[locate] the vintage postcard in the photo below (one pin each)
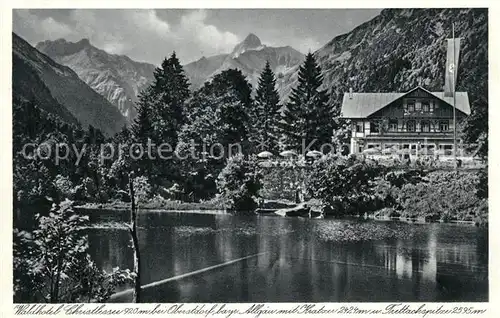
(220, 162)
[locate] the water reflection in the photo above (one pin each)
(434, 262)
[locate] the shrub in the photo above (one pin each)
(239, 183)
(281, 182)
(444, 194)
(345, 183)
(142, 189)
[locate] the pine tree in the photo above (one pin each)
(160, 118)
(307, 117)
(142, 127)
(266, 112)
(169, 91)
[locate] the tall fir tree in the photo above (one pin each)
(160, 118)
(266, 115)
(167, 98)
(307, 116)
(142, 128)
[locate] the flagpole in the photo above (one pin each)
(454, 106)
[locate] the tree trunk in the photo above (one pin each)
(135, 241)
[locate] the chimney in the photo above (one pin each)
(350, 92)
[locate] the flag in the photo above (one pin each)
(451, 70)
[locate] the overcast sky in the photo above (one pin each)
(151, 34)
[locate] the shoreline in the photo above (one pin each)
(109, 208)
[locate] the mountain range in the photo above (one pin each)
(116, 77)
(58, 90)
(250, 57)
(397, 50)
(120, 79)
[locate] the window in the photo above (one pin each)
(410, 125)
(443, 125)
(447, 149)
(393, 125)
(411, 106)
(426, 108)
(413, 149)
(425, 126)
(394, 146)
(428, 149)
(359, 126)
(369, 146)
(374, 127)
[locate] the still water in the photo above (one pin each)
(302, 260)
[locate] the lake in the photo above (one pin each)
(299, 260)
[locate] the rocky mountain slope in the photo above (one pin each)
(249, 56)
(59, 90)
(400, 49)
(116, 77)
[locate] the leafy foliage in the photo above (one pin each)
(476, 125)
(281, 182)
(36, 173)
(142, 189)
(217, 127)
(239, 184)
(445, 195)
(52, 264)
(347, 178)
(352, 186)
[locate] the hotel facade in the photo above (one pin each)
(411, 124)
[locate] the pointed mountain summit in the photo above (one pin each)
(251, 42)
(250, 57)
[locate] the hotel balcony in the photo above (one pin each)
(411, 134)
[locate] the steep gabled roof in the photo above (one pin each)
(362, 105)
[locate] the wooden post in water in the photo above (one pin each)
(135, 241)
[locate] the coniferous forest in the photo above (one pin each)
(223, 111)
